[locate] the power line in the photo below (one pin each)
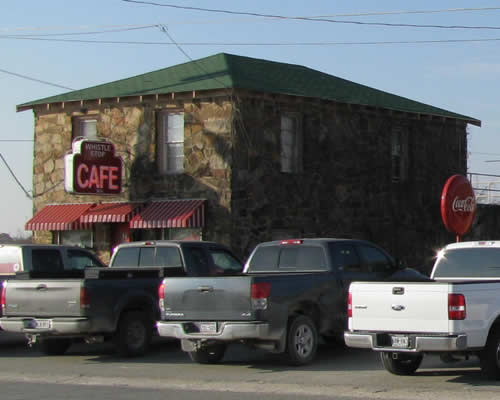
(389, 42)
(34, 79)
(89, 33)
(408, 12)
(315, 19)
(15, 177)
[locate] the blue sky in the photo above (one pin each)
(443, 67)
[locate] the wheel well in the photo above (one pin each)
(308, 309)
(495, 326)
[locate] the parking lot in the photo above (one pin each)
(338, 372)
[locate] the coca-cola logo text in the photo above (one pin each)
(464, 205)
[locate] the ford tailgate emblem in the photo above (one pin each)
(398, 307)
(398, 290)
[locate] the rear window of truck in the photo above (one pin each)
(288, 257)
(468, 263)
(148, 257)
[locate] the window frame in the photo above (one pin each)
(163, 143)
(291, 163)
(77, 131)
(399, 155)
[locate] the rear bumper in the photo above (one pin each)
(226, 331)
(417, 342)
(57, 326)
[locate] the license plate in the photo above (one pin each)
(400, 341)
(38, 324)
(208, 327)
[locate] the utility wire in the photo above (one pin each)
(34, 79)
(15, 178)
(256, 43)
(275, 16)
(89, 33)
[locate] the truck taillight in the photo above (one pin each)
(456, 307)
(84, 298)
(161, 291)
(2, 297)
(292, 241)
(161, 298)
(259, 292)
(349, 305)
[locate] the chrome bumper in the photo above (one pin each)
(226, 331)
(58, 326)
(418, 342)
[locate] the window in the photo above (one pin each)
(225, 261)
(374, 260)
(81, 260)
(170, 152)
(346, 258)
(85, 126)
(127, 257)
(399, 155)
(291, 143)
(46, 260)
(168, 257)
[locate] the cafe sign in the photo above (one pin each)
(93, 168)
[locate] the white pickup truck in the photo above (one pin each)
(455, 314)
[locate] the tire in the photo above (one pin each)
(490, 356)
(211, 354)
(54, 347)
(404, 364)
(301, 341)
(134, 334)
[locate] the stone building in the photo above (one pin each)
(241, 150)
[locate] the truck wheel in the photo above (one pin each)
(489, 357)
(301, 341)
(134, 334)
(401, 363)
(54, 347)
(208, 355)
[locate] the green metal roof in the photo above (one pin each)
(227, 71)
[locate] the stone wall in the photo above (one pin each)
(346, 187)
(131, 127)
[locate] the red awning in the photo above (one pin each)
(58, 217)
(170, 214)
(110, 212)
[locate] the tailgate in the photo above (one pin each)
(43, 298)
(208, 299)
(399, 307)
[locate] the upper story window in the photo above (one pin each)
(399, 155)
(85, 126)
(170, 151)
(291, 143)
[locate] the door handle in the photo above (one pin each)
(206, 288)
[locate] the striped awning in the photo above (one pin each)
(170, 214)
(110, 212)
(58, 217)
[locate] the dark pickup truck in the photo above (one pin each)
(291, 293)
(118, 303)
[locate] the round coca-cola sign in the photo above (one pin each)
(458, 205)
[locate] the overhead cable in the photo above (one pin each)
(34, 79)
(315, 19)
(15, 177)
(257, 43)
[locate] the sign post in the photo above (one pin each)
(458, 205)
(93, 168)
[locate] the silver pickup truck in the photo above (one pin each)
(118, 303)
